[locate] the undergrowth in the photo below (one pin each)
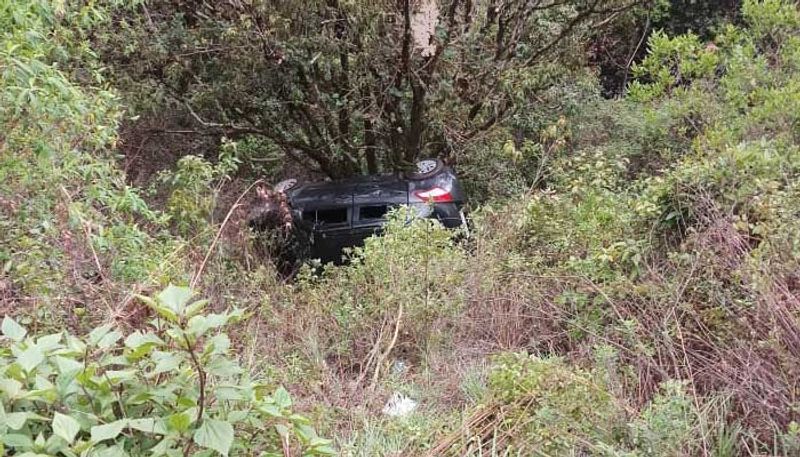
(632, 291)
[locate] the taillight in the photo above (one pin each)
(436, 195)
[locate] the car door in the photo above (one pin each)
(330, 212)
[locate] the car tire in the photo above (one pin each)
(425, 169)
(286, 185)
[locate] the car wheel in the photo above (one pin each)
(286, 184)
(425, 169)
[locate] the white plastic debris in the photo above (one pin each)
(399, 405)
(399, 367)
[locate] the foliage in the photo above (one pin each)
(545, 406)
(408, 277)
(697, 204)
(665, 426)
(368, 86)
(62, 198)
(743, 146)
(662, 225)
(194, 187)
(555, 409)
(614, 50)
(160, 391)
(670, 63)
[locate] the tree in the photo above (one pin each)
(616, 49)
(345, 86)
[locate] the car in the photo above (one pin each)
(330, 216)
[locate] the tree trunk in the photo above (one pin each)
(416, 125)
(370, 147)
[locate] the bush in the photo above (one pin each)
(392, 292)
(665, 426)
(552, 409)
(66, 213)
(165, 391)
(194, 187)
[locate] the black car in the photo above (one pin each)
(333, 215)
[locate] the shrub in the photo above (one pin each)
(194, 187)
(66, 213)
(665, 426)
(552, 409)
(393, 290)
(167, 390)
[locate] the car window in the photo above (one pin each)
(372, 212)
(332, 216)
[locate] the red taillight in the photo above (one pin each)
(436, 195)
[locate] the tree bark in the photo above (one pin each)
(370, 147)
(416, 127)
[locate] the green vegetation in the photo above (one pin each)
(629, 287)
(162, 392)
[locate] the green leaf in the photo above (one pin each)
(223, 367)
(217, 320)
(108, 431)
(218, 344)
(148, 425)
(229, 393)
(186, 402)
(97, 334)
(114, 360)
(282, 430)
(167, 447)
(196, 307)
(48, 343)
(297, 419)
(282, 398)
(270, 410)
(183, 339)
(325, 450)
(162, 311)
(65, 427)
(317, 441)
(67, 366)
(166, 361)
(179, 422)
(216, 435)
(115, 376)
(18, 441)
(305, 432)
(138, 339)
(30, 358)
(40, 441)
(13, 330)
(197, 326)
(42, 383)
(175, 298)
(113, 451)
(237, 416)
(14, 421)
(109, 339)
(11, 387)
(75, 344)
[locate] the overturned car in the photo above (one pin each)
(319, 220)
